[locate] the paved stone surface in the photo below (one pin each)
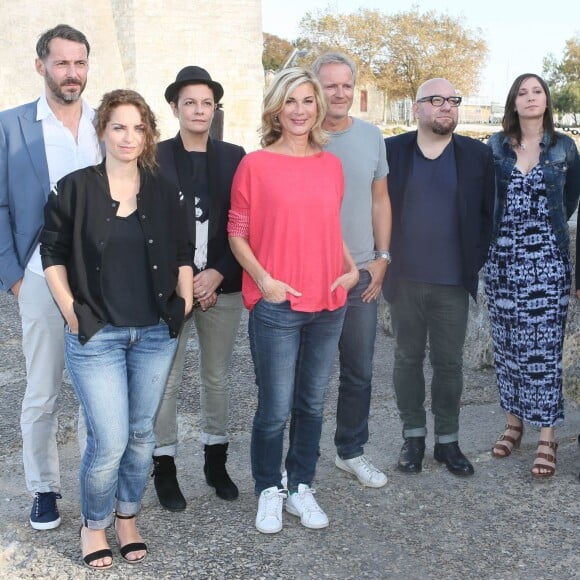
(497, 524)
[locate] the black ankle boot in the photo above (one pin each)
(165, 480)
(215, 472)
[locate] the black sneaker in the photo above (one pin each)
(44, 514)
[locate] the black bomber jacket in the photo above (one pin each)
(78, 217)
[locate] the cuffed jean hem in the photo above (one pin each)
(450, 438)
(416, 432)
(97, 524)
(209, 439)
(170, 450)
(128, 508)
(347, 456)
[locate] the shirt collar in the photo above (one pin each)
(43, 110)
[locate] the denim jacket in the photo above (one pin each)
(560, 164)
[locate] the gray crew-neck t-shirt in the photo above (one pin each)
(361, 149)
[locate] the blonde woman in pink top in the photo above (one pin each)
(285, 231)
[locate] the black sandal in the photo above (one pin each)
(131, 547)
(94, 556)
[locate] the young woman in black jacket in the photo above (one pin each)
(118, 262)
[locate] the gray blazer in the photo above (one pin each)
(24, 189)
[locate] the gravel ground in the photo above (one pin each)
(497, 524)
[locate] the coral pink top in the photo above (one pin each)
(290, 208)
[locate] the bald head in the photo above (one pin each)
(434, 87)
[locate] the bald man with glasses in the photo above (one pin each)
(441, 187)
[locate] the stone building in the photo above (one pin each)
(141, 44)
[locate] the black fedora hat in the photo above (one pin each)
(193, 75)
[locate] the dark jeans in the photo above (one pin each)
(357, 347)
(439, 312)
(293, 354)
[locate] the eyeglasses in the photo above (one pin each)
(438, 100)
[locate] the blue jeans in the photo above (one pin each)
(293, 354)
(422, 310)
(119, 376)
(356, 347)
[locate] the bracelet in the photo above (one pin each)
(260, 284)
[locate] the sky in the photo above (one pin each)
(519, 33)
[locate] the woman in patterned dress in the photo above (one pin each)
(528, 273)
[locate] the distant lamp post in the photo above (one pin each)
(294, 55)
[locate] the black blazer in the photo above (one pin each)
(223, 160)
(78, 217)
(475, 199)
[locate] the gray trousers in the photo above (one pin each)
(43, 347)
(439, 312)
(216, 331)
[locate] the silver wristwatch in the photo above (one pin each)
(383, 255)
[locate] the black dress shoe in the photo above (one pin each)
(411, 456)
(166, 485)
(450, 454)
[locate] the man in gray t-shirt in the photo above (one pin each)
(366, 224)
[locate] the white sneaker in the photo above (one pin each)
(269, 516)
(303, 505)
(364, 470)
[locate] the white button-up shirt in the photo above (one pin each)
(63, 154)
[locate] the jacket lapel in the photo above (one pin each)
(215, 207)
(462, 168)
(34, 142)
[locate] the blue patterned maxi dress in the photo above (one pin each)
(527, 283)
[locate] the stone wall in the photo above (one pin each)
(141, 44)
(478, 352)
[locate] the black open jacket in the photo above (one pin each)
(223, 160)
(475, 201)
(78, 217)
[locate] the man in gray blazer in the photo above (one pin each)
(40, 142)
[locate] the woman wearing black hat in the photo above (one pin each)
(203, 168)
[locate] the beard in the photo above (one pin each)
(57, 91)
(443, 129)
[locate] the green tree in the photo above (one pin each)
(362, 35)
(429, 45)
(563, 76)
(276, 51)
(400, 51)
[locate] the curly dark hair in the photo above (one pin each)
(119, 97)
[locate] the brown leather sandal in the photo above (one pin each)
(514, 443)
(549, 470)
